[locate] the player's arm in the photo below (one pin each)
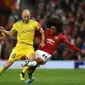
(71, 45)
(7, 33)
(43, 35)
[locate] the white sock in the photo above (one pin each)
(32, 63)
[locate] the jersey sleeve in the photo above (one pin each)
(65, 40)
(15, 27)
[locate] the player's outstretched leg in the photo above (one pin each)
(4, 67)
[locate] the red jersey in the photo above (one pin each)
(52, 42)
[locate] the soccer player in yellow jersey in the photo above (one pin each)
(25, 30)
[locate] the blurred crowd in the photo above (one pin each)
(72, 13)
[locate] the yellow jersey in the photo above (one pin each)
(25, 32)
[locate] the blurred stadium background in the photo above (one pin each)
(72, 13)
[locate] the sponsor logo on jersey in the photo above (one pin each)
(25, 31)
(50, 41)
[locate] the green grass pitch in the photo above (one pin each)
(46, 77)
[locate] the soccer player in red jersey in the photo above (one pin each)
(53, 37)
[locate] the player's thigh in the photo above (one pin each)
(16, 54)
(43, 55)
(30, 53)
(39, 61)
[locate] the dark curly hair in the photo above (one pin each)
(57, 22)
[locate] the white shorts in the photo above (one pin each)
(42, 54)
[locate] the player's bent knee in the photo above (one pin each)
(32, 57)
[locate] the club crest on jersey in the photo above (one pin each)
(56, 37)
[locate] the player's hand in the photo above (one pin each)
(83, 51)
(42, 44)
(2, 29)
(39, 26)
